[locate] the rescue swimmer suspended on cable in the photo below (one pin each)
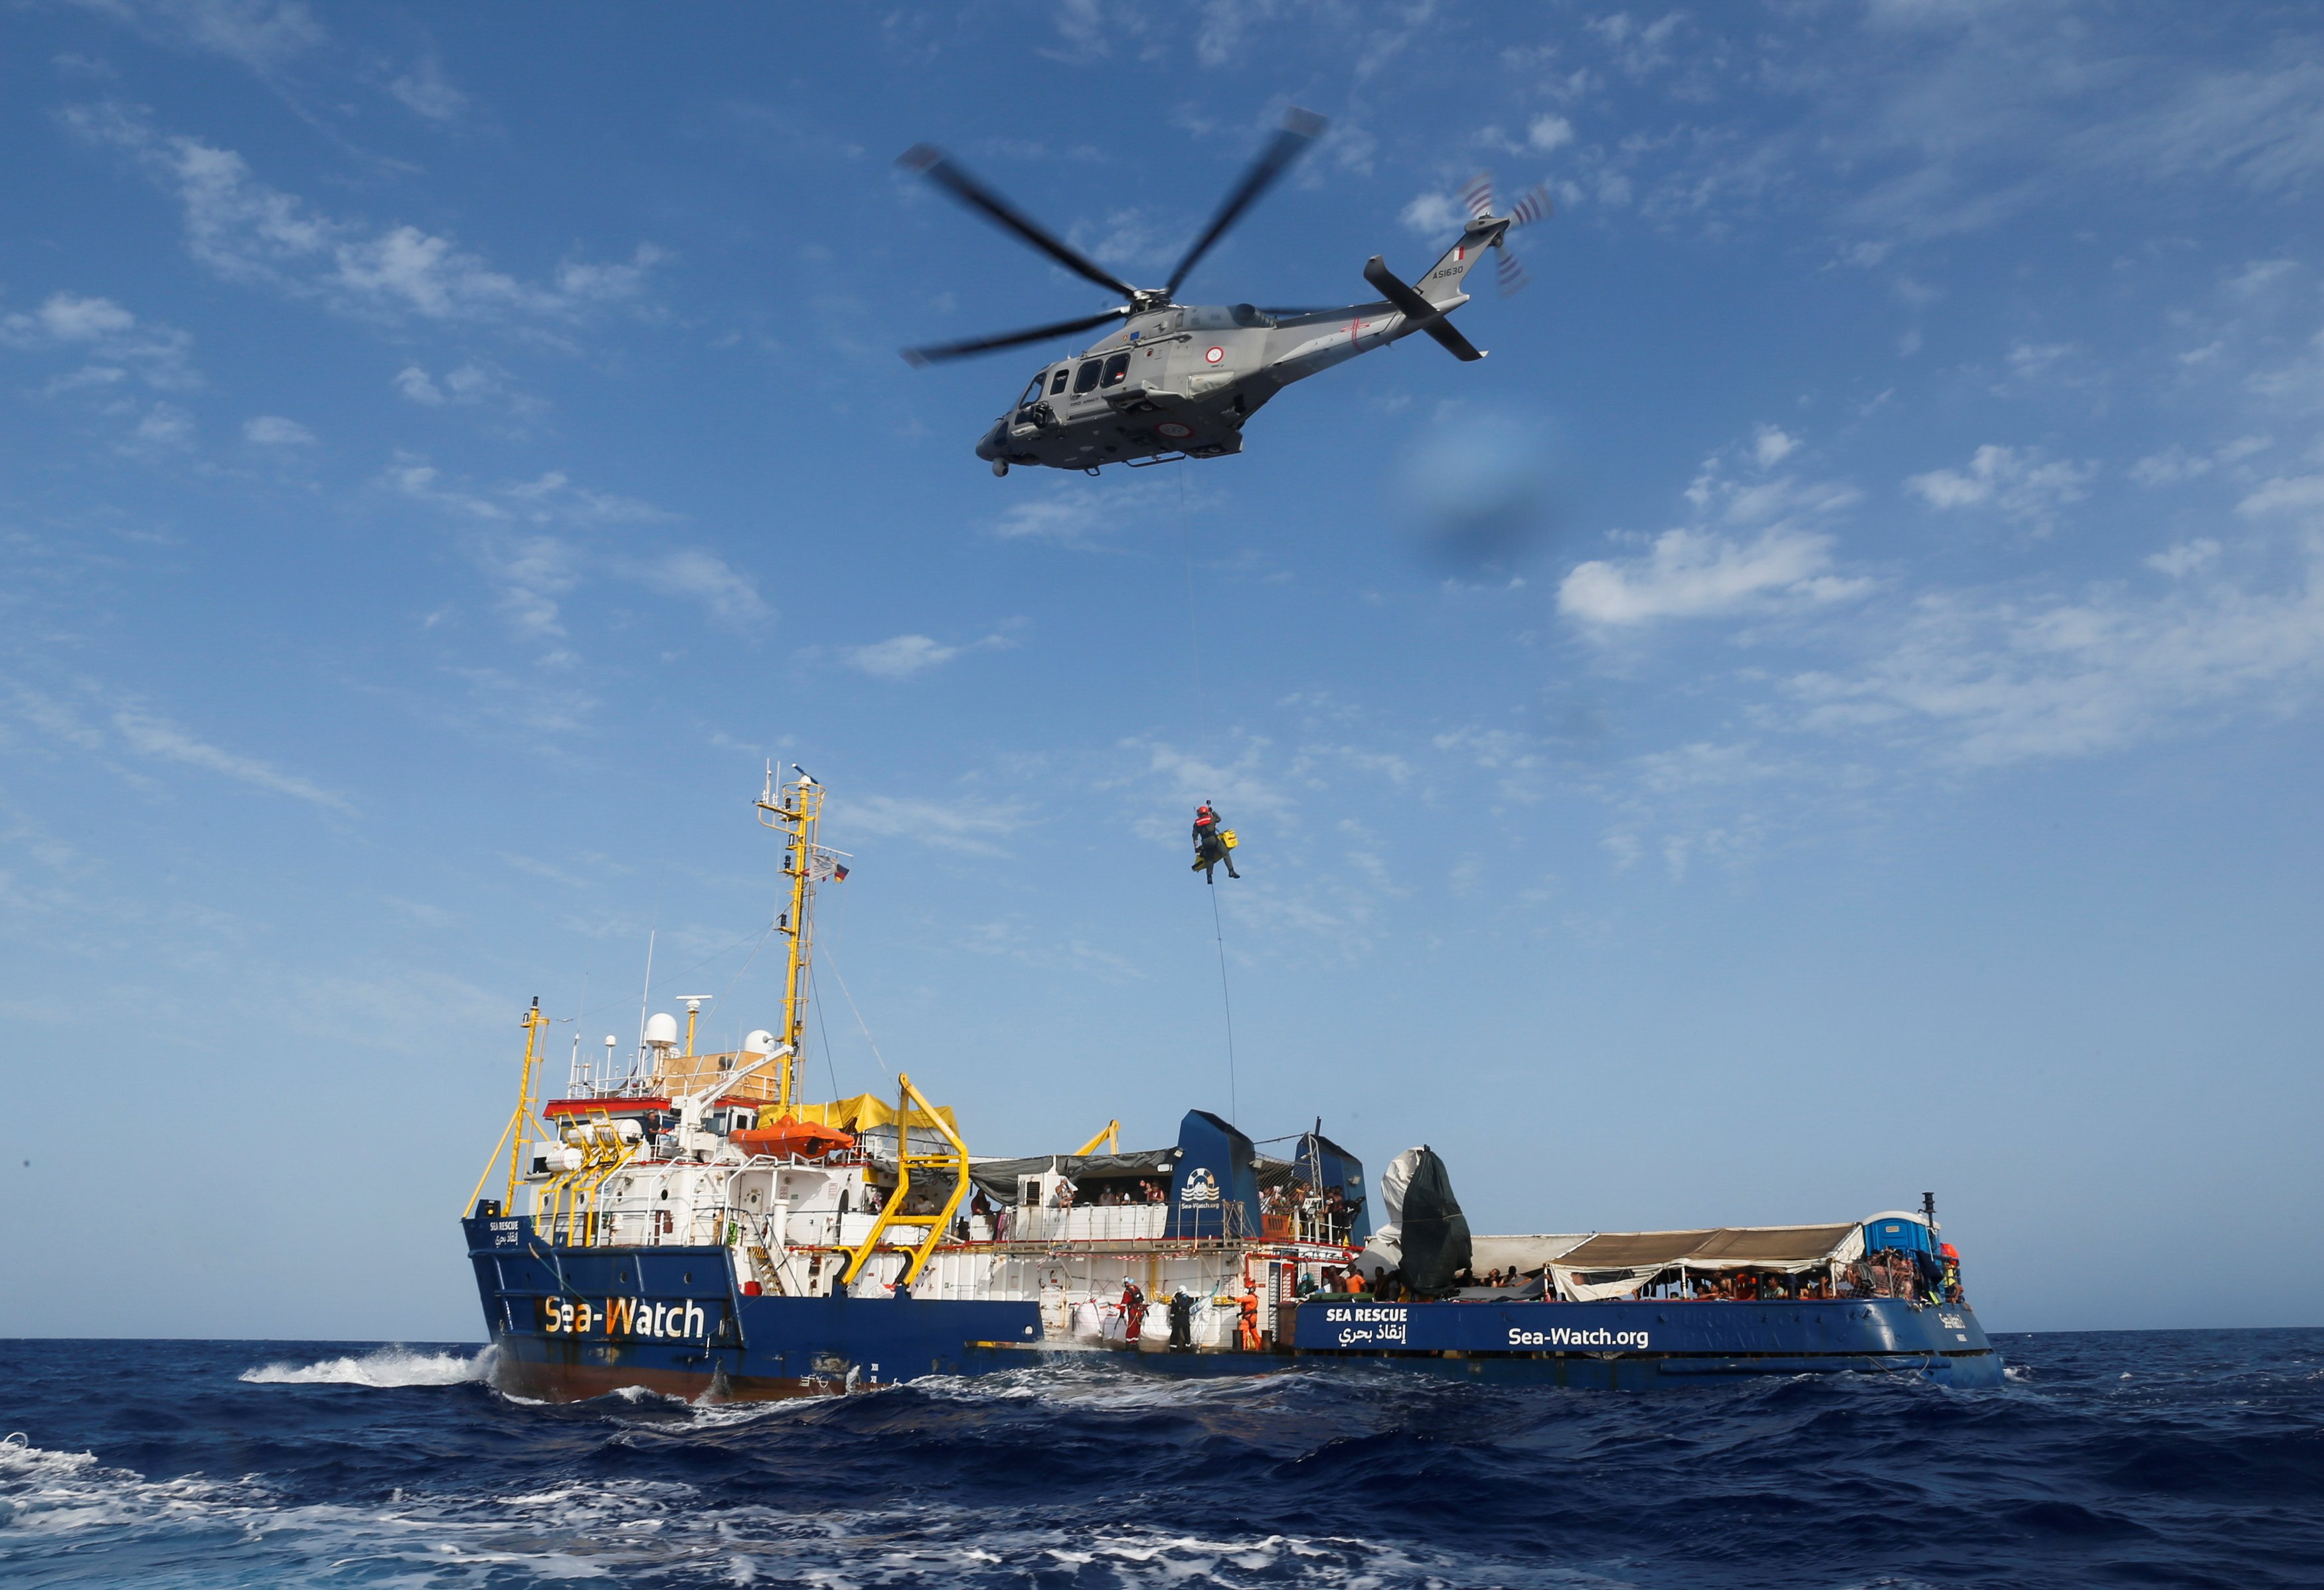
(1175, 380)
(1214, 842)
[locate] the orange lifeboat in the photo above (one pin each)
(808, 1139)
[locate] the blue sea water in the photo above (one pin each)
(2191, 1458)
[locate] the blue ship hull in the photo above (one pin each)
(572, 1322)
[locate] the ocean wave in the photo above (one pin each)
(157, 1463)
(384, 1368)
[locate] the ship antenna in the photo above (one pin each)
(795, 811)
(645, 997)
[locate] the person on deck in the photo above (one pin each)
(1133, 1310)
(1210, 847)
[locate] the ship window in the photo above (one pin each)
(1116, 369)
(1086, 378)
(1057, 382)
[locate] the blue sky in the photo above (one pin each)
(1826, 710)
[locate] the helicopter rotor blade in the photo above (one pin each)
(940, 169)
(936, 352)
(1300, 128)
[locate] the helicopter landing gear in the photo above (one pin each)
(999, 466)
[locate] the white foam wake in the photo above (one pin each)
(386, 1367)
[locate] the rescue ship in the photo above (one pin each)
(692, 1224)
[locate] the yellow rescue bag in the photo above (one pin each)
(1227, 837)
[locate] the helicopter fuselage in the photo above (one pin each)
(1180, 380)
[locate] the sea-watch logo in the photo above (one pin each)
(622, 1316)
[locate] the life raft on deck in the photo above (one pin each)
(808, 1139)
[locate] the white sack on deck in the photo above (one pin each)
(1573, 1290)
(1392, 1183)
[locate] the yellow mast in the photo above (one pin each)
(794, 810)
(533, 1023)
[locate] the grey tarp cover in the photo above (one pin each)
(997, 1178)
(1773, 1246)
(1434, 1234)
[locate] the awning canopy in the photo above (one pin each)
(1723, 1247)
(1616, 1263)
(998, 1177)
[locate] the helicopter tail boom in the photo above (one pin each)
(1441, 285)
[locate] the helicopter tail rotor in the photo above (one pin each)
(1477, 198)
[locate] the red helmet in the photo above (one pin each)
(1948, 1249)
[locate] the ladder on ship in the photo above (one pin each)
(891, 1213)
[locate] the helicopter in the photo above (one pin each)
(1176, 381)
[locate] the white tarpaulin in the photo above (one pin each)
(1615, 1264)
(1392, 1183)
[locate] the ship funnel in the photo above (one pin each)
(761, 1042)
(661, 1031)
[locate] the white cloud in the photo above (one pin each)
(1770, 447)
(2185, 558)
(972, 826)
(2299, 491)
(2020, 484)
(469, 384)
(155, 736)
(273, 430)
(425, 91)
(247, 231)
(1432, 215)
(899, 657)
(2004, 679)
(903, 657)
(2174, 464)
(730, 596)
(412, 381)
(532, 572)
(1694, 573)
(261, 35)
(117, 342)
(165, 427)
(1549, 131)
(138, 729)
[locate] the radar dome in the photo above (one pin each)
(759, 1042)
(661, 1029)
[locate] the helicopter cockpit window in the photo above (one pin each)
(1116, 369)
(1057, 382)
(1033, 392)
(1086, 378)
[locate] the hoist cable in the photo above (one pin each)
(1226, 1002)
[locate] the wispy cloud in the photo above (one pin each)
(905, 657)
(2020, 484)
(94, 719)
(247, 231)
(261, 35)
(1997, 679)
(538, 541)
(730, 597)
(117, 346)
(973, 828)
(425, 91)
(151, 735)
(272, 431)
